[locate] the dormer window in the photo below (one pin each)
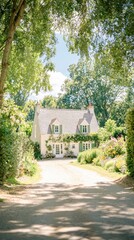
(84, 126)
(56, 129)
(84, 129)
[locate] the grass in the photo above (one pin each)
(15, 185)
(98, 169)
(25, 179)
(122, 179)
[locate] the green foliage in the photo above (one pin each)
(76, 138)
(130, 140)
(111, 130)
(110, 165)
(96, 161)
(90, 82)
(37, 152)
(109, 156)
(119, 132)
(90, 28)
(49, 102)
(29, 110)
(49, 155)
(30, 167)
(120, 164)
(87, 156)
(114, 147)
(110, 126)
(15, 147)
(69, 154)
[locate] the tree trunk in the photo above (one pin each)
(16, 16)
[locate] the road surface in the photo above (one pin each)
(68, 203)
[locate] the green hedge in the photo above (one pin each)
(15, 149)
(130, 140)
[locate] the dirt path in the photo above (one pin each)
(70, 204)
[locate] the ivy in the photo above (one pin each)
(75, 138)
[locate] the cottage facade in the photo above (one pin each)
(49, 124)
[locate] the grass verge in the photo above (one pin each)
(16, 185)
(122, 179)
(98, 169)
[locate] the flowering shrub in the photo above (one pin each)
(120, 164)
(114, 147)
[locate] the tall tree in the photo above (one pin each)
(49, 102)
(102, 26)
(90, 84)
(31, 23)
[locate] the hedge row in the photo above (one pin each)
(15, 151)
(130, 140)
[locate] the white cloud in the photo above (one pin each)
(56, 80)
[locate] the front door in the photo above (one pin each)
(58, 150)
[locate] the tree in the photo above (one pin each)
(31, 24)
(90, 84)
(49, 102)
(100, 26)
(130, 140)
(26, 74)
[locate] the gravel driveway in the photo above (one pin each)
(68, 203)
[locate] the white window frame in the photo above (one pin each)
(85, 146)
(56, 129)
(84, 128)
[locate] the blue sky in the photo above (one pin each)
(63, 57)
(62, 60)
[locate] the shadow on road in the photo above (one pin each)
(60, 211)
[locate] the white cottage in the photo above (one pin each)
(51, 123)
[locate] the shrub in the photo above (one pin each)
(120, 164)
(96, 161)
(87, 156)
(30, 167)
(130, 140)
(37, 152)
(49, 155)
(110, 125)
(69, 154)
(114, 147)
(104, 135)
(110, 165)
(119, 132)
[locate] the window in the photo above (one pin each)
(85, 146)
(56, 129)
(84, 128)
(57, 149)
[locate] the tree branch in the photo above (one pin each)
(15, 18)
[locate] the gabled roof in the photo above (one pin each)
(83, 121)
(68, 118)
(55, 121)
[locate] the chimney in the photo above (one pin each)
(90, 108)
(38, 107)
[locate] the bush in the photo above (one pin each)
(49, 155)
(119, 132)
(69, 154)
(15, 146)
(30, 167)
(37, 152)
(114, 147)
(96, 161)
(120, 164)
(87, 156)
(110, 165)
(130, 140)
